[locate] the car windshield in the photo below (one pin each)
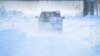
(47, 15)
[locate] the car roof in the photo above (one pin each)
(50, 12)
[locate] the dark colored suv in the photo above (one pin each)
(50, 20)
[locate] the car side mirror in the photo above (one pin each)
(36, 17)
(63, 17)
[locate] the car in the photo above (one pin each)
(50, 20)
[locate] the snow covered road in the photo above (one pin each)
(22, 38)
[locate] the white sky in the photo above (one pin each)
(35, 7)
